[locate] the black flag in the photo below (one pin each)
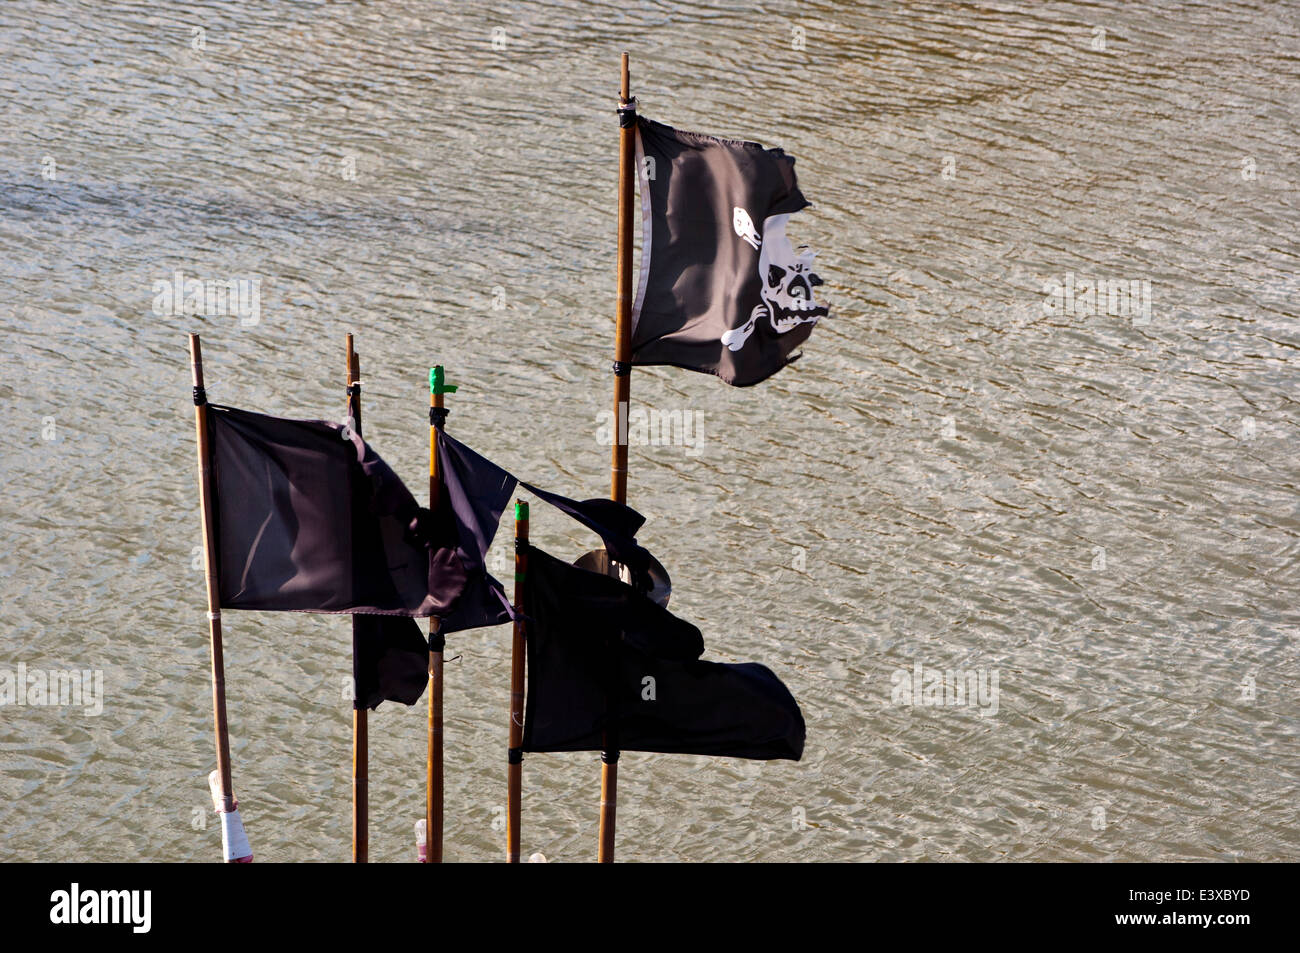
(390, 660)
(603, 658)
(478, 491)
(390, 656)
(310, 519)
(722, 289)
(615, 523)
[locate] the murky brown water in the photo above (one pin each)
(1099, 508)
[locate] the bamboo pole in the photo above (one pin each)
(437, 642)
(515, 756)
(226, 790)
(622, 392)
(360, 715)
(623, 321)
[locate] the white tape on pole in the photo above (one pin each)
(234, 842)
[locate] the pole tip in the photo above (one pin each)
(437, 382)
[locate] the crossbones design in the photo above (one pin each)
(788, 280)
(744, 226)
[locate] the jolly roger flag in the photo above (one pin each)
(722, 290)
(604, 658)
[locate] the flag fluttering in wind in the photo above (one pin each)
(478, 492)
(390, 660)
(606, 663)
(615, 523)
(722, 289)
(310, 519)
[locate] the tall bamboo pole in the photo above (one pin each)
(360, 715)
(515, 755)
(226, 790)
(622, 392)
(437, 642)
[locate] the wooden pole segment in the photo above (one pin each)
(623, 318)
(437, 642)
(434, 786)
(622, 392)
(515, 755)
(360, 715)
(226, 803)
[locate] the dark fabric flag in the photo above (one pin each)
(722, 290)
(390, 660)
(615, 523)
(310, 519)
(478, 491)
(602, 657)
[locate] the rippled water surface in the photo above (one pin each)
(1099, 508)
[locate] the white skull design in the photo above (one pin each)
(788, 283)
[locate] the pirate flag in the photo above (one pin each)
(608, 667)
(722, 290)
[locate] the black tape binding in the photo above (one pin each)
(514, 755)
(627, 114)
(437, 641)
(354, 389)
(437, 417)
(622, 369)
(521, 545)
(200, 397)
(609, 757)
